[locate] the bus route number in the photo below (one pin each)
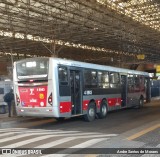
(41, 89)
(87, 92)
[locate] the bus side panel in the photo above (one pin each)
(54, 87)
(135, 92)
(113, 101)
(62, 96)
(65, 105)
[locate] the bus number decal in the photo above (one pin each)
(88, 92)
(41, 89)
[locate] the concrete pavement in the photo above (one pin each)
(135, 128)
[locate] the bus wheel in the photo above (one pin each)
(91, 112)
(60, 119)
(141, 102)
(103, 110)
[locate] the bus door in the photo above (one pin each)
(148, 89)
(124, 90)
(76, 91)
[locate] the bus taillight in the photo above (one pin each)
(50, 99)
(17, 99)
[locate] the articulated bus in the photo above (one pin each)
(60, 88)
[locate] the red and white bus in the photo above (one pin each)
(53, 87)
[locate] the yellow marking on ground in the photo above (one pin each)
(143, 132)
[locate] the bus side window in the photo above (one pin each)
(103, 79)
(90, 79)
(114, 80)
(137, 82)
(131, 82)
(142, 83)
(63, 75)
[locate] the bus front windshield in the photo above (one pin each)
(37, 68)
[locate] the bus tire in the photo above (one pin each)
(103, 110)
(141, 102)
(91, 112)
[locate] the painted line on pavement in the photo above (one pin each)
(67, 139)
(143, 132)
(80, 146)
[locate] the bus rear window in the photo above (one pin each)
(37, 68)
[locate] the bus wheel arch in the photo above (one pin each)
(103, 109)
(91, 111)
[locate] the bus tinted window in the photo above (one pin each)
(63, 75)
(90, 78)
(136, 83)
(1, 90)
(35, 68)
(114, 79)
(142, 83)
(131, 82)
(103, 79)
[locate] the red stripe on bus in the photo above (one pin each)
(85, 104)
(119, 100)
(65, 107)
(98, 103)
(114, 101)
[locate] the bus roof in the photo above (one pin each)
(98, 67)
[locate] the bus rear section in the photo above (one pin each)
(31, 88)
